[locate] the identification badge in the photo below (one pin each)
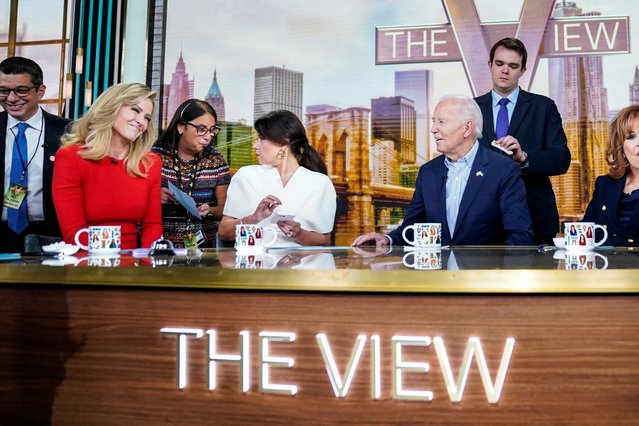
(199, 235)
(14, 196)
(190, 241)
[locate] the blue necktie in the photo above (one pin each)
(501, 129)
(17, 218)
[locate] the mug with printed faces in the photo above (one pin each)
(584, 261)
(102, 239)
(423, 259)
(581, 235)
(252, 238)
(101, 260)
(427, 235)
(254, 261)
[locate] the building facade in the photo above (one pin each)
(216, 99)
(394, 118)
(417, 85)
(576, 85)
(180, 89)
(277, 88)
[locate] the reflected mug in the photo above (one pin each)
(102, 239)
(427, 235)
(254, 261)
(424, 259)
(251, 238)
(581, 235)
(584, 261)
(102, 261)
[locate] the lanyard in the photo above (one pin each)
(25, 167)
(192, 173)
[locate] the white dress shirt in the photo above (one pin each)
(35, 143)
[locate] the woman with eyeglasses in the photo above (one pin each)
(289, 190)
(191, 163)
(105, 173)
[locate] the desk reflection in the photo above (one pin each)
(278, 259)
(367, 258)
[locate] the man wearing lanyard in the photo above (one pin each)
(528, 127)
(29, 138)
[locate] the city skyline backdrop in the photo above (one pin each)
(371, 123)
(333, 45)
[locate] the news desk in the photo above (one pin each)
(340, 336)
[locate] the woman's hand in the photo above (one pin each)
(265, 208)
(166, 195)
(204, 210)
(290, 228)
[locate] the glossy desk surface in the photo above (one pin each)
(463, 270)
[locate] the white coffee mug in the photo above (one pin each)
(254, 261)
(584, 261)
(102, 239)
(427, 235)
(251, 238)
(102, 260)
(424, 259)
(581, 235)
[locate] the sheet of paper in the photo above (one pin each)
(185, 200)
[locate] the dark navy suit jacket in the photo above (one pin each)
(53, 128)
(603, 210)
(493, 208)
(536, 124)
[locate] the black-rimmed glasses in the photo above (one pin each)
(202, 130)
(20, 91)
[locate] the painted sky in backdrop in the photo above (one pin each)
(333, 43)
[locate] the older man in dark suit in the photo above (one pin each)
(29, 138)
(476, 194)
(529, 127)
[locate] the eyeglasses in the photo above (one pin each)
(20, 91)
(201, 130)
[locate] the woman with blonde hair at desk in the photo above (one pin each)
(105, 173)
(291, 178)
(615, 201)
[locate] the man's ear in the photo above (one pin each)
(469, 128)
(41, 89)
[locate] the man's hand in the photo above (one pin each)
(511, 143)
(379, 239)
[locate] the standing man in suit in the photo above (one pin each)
(529, 126)
(476, 194)
(29, 138)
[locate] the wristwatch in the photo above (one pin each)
(524, 165)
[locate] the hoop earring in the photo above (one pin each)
(281, 154)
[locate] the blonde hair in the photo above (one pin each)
(95, 128)
(618, 130)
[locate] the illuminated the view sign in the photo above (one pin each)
(341, 382)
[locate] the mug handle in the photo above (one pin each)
(412, 243)
(79, 261)
(605, 237)
(405, 262)
(77, 239)
(605, 259)
(272, 259)
(268, 243)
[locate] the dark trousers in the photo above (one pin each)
(10, 242)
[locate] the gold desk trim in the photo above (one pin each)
(522, 281)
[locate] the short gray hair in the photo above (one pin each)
(469, 111)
